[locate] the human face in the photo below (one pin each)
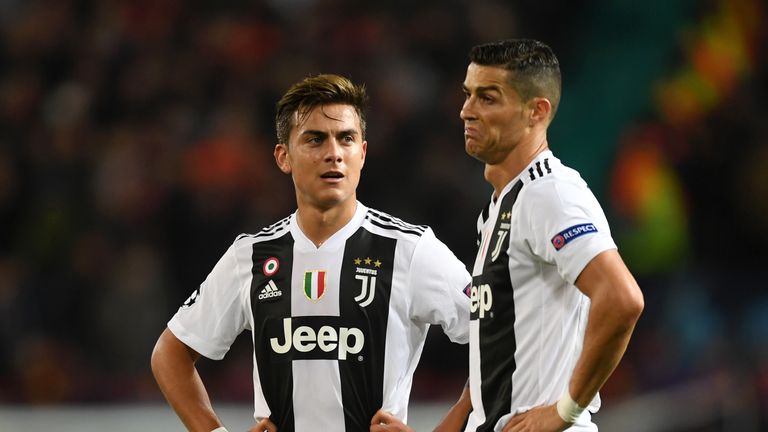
(325, 156)
(494, 114)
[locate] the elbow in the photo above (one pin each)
(620, 307)
(631, 307)
(170, 354)
(637, 302)
(155, 359)
(162, 353)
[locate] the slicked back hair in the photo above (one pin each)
(534, 69)
(316, 91)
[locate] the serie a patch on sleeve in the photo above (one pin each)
(565, 236)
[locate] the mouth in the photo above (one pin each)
(332, 176)
(470, 133)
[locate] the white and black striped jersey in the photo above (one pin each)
(337, 329)
(528, 319)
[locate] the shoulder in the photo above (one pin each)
(390, 226)
(276, 230)
(546, 169)
(547, 183)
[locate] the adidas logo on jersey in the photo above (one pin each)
(270, 291)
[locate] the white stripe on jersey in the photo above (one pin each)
(323, 395)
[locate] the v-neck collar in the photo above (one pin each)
(334, 241)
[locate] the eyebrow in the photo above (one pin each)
(483, 89)
(320, 133)
(352, 132)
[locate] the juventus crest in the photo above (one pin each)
(501, 234)
(366, 274)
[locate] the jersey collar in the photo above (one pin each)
(522, 176)
(338, 239)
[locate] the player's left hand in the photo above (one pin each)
(383, 421)
(264, 425)
(539, 419)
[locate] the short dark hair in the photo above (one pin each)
(534, 68)
(315, 91)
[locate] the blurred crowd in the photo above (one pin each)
(136, 142)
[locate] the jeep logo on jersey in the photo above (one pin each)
(480, 300)
(305, 339)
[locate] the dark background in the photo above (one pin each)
(136, 142)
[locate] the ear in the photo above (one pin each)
(365, 151)
(282, 159)
(541, 109)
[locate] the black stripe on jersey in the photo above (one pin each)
(274, 227)
(539, 171)
(393, 227)
(265, 232)
(389, 223)
(393, 224)
(485, 212)
(269, 312)
(497, 327)
(383, 217)
(362, 374)
(393, 219)
(481, 221)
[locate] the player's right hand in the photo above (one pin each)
(265, 425)
(539, 419)
(383, 421)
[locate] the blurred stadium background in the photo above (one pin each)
(136, 141)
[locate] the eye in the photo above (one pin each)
(487, 99)
(349, 139)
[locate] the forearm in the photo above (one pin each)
(616, 303)
(454, 419)
(605, 342)
(173, 366)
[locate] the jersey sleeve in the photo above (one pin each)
(564, 225)
(214, 315)
(438, 282)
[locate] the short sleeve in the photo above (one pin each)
(214, 315)
(564, 225)
(438, 282)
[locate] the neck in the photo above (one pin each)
(499, 175)
(319, 224)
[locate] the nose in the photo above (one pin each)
(333, 151)
(467, 110)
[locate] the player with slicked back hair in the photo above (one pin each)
(533, 68)
(552, 304)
